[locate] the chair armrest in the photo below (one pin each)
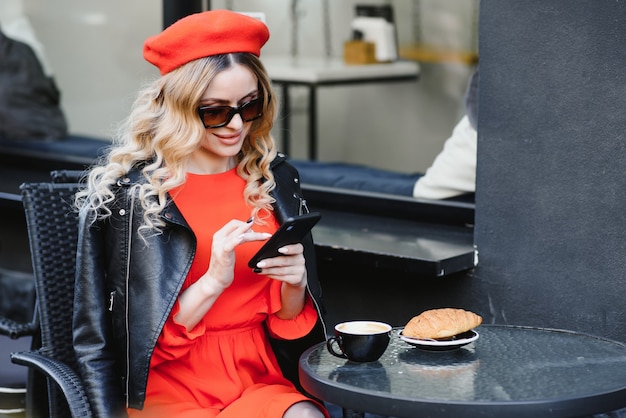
(14, 329)
(68, 176)
(70, 384)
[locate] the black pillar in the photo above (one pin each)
(550, 226)
(176, 9)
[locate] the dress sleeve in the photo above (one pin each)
(175, 341)
(290, 329)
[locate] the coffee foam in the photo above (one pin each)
(363, 327)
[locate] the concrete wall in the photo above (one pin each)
(550, 225)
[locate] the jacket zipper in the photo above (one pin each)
(301, 210)
(303, 206)
(127, 278)
(319, 311)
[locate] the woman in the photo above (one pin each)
(169, 320)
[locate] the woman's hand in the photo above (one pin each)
(225, 240)
(198, 298)
(289, 268)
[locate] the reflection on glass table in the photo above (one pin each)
(509, 371)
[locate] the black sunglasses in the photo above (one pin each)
(218, 116)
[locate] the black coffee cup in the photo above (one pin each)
(360, 341)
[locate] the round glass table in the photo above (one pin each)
(509, 371)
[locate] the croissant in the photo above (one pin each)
(441, 323)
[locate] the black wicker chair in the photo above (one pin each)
(53, 232)
(68, 176)
(19, 330)
(32, 391)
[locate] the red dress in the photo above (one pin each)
(224, 367)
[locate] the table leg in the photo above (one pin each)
(350, 413)
(313, 122)
(284, 113)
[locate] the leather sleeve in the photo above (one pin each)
(290, 202)
(92, 327)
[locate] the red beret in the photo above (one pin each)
(204, 34)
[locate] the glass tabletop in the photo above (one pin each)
(517, 371)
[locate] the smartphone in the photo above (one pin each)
(292, 231)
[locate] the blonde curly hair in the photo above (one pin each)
(162, 131)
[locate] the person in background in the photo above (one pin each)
(452, 174)
(30, 101)
(169, 320)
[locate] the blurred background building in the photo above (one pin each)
(94, 50)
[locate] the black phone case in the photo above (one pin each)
(292, 231)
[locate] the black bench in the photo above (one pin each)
(32, 161)
(430, 238)
(434, 238)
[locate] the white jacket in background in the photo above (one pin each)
(453, 171)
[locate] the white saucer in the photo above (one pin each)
(451, 343)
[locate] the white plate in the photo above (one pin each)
(451, 343)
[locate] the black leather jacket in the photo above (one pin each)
(126, 287)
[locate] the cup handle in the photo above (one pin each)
(331, 350)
